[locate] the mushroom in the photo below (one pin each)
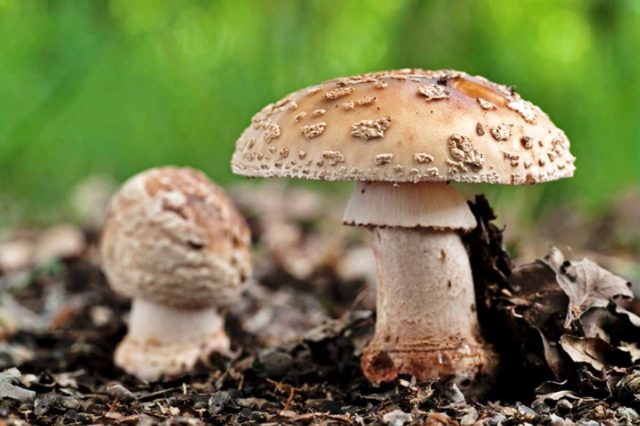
(403, 136)
(175, 243)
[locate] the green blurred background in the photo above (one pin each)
(113, 87)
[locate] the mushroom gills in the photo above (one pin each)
(432, 205)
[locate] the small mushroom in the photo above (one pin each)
(422, 134)
(174, 242)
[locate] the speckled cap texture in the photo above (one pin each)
(173, 237)
(405, 126)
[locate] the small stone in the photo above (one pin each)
(218, 401)
(496, 420)
(628, 413)
(396, 418)
(454, 394)
(119, 392)
(629, 385)
(557, 421)
(323, 405)
(479, 129)
(299, 116)
(509, 411)
(526, 413)
(276, 363)
(563, 406)
(470, 418)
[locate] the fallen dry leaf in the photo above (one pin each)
(593, 351)
(586, 284)
(9, 390)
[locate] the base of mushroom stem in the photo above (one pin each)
(165, 342)
(156, 360)
(471, 368)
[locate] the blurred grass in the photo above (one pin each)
(113, 87)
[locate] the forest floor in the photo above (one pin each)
(566, 329)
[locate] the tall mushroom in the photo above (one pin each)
(403, 136)
(175, 243)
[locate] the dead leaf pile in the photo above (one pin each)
(566, 322)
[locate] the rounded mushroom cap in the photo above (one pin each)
(173, 237)
(405, 126)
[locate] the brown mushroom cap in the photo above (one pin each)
(405, 126)
(173, 237)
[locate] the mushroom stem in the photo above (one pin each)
(426, 315)
(165, 342)
(426, 324)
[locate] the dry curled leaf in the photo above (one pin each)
(586, 284)
(565, 315)
(593, 351)
(9, 390)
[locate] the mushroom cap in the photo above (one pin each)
(405, 126)
(173, 237)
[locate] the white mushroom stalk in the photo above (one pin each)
(426, 322)
(174, 243)
(166, 341)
